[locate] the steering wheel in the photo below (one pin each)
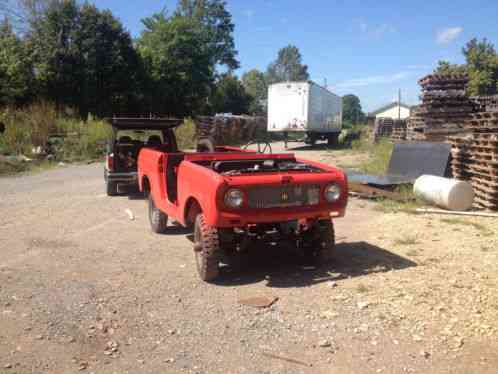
(263, 146)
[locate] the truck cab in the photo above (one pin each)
(129, 137)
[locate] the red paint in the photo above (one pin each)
(207, 188)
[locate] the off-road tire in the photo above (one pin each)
(325, 241)
(208, 253)
(158, 220)
(318, 244)
(111, 188)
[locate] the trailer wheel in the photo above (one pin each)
(207, 249)
(111, 188)
(333, 140)
(158, 220)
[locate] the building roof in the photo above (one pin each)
(387, 107)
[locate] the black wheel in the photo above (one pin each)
(111, 188)
(158, 220)
(333, 140)
(319, 243)
(207, 249)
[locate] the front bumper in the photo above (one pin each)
(125, 178)
(275, 215)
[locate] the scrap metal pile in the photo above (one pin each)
(475, 156)
(444, 110)
(230, 129)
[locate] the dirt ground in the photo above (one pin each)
(85, 289)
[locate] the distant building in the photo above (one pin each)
(393, 110)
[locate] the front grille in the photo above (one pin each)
(283, 196)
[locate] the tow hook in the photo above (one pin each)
(198, 247)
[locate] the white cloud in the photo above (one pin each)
(374, 31)
(377, 79)
(447, 35)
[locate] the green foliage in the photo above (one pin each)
(351, 109)
(217, 29)
(287, 67)
(481, 67)
(379, 155)
(230, 96)
(482, 62)
(82, 140)
(445, 68)
(185, 135)
(39, 125)
(15, 71)
(255, 85)
(83, 58)
(178, 64)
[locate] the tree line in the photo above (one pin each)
(78, 56)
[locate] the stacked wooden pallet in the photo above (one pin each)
(415, 125)
(485, 103)
(399, 130)
(230, 129)
(475, 157)
(383, 128)
(444, 110)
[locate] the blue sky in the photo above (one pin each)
(369, 48)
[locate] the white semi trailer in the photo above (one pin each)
(307, 108)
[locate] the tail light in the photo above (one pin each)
(110, 161)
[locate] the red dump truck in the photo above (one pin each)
(232, 197)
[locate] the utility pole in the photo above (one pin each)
(399, 103)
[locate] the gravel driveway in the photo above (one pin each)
(85, 289)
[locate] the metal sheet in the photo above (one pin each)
(411, 160)
(408, 162)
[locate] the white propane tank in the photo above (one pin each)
(446, 193)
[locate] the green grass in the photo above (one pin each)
(379, 155)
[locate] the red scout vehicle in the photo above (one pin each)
(234, 196)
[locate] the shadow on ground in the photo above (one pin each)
(281, 267)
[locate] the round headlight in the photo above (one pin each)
(234, 198)
(332, 192)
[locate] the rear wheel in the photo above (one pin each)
(111, 188)
(158, 220)
(207, 249)
(333, 140)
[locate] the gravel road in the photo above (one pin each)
(85, 289)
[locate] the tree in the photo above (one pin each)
(83, 58)
(287, 67)
(446, 68)
(178, 64)
(255, 85)
(15, 69)
(482, 63)
(229, 96)
(110, 77)
(351, 109)
(217, 26)
(481, 67)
